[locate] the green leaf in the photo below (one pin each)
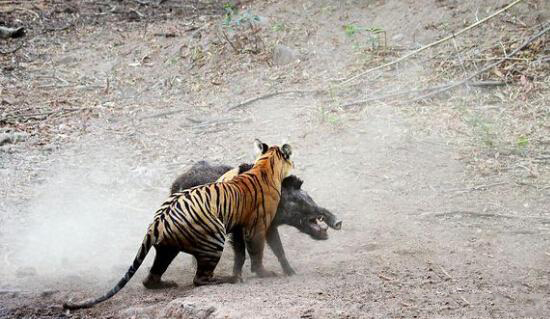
(350, 29)
(522, 141)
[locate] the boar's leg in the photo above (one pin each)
(274, 242)
(255, 247)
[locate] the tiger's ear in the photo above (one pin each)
(259, 147)
(287, 150)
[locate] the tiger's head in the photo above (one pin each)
(277, 157)
(262, 150)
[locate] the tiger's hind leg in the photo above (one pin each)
(239, 251)
(205, 271)
(163, 257)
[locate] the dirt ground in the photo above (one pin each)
(445, 201)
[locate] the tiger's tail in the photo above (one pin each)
(146, 245)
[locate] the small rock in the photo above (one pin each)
(398, 37)
(148, 312)
(182, 309)
(283, 55)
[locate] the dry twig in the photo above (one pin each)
(465, 301)
(445, 273)
(487, 67)
(386, 278)
(162, 114)
(229, 41)
(267, 96)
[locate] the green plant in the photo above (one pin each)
(372, 35)
(230, 11)
(278, 27)
(522, 142)
(233, 18)
(350, 29)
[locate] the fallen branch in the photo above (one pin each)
(487, 67)
(161, 114)
(406, 56)
(207, 124)
(486, 83)
(267, 96)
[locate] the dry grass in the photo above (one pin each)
(504, 125)
(501, 123)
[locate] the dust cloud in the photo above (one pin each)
(86, 217)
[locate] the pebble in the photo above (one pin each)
(398, 37)
(180, 308)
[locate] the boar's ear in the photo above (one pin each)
(259, 147)
(287, 150)
(292, 182)
(299, 183)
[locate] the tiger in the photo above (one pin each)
(197, 220)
